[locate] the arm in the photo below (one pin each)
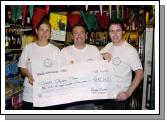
(97, 54)
(26, 73)
(135, 83)
(105, 52)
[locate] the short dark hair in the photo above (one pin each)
(44, 20)
(78, 26)
(117, 21)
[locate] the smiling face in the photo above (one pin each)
(116, 34)
(79, 36)
(43, 32)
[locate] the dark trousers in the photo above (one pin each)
(88, 106)
(115, 105)
(29, 106)
(81, 105)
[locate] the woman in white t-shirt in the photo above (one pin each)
(80, 52)
(41, 53)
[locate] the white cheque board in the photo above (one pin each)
(77, 82)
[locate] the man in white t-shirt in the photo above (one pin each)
(125, 59)
(43, 54)
(80, 52)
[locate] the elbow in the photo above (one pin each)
(141, 74)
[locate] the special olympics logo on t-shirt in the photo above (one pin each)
(91, 59)
(48, 62)
(116, 61)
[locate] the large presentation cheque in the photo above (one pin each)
(77, 82)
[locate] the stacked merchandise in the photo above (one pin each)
(13, 82)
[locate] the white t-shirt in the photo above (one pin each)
(48, 55)
(125, 58)
(71, 55)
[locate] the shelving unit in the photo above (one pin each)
(13, 79)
